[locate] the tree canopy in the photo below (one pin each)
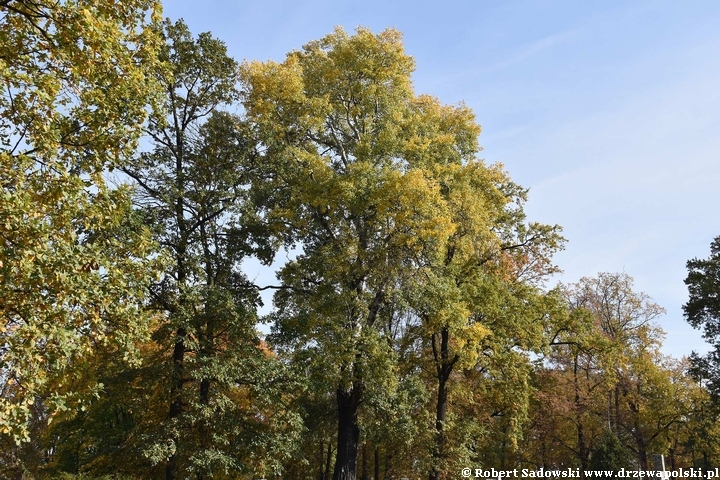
(414, 329)
(77, 79)
(702, 310)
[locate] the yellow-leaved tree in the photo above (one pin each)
(383, 192)
(77, 77)
(333, 119)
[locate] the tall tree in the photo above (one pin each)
(334, 119)
(477, 296)
(610, 383)
(572, 394)
(194, 189)
(702, 310)
(77, 78)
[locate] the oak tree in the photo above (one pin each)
(194, 189)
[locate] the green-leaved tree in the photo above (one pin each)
(77, 80)
(224, 413)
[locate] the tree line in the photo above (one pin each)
(414, 331)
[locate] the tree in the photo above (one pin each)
(384, 194)
(611, 383)
(610, 454)
(336, 121)
(478, 301)
(77, 79)
(702, 310)
(194, 188)
(571, 400)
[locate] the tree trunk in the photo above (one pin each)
(377, 463)
(348, 434)
(440, 418)
(176, 405)
(364, 472)
(321, 462)
(444, 365)
(176, 396)
(388, 466)
(617, 409)
(178, 357)
(640, 442)
(583, 448)
(328, 461)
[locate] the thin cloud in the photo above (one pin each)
(529, 50)
(517, 56)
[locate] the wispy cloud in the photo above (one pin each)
(530, 49)
(515, 56)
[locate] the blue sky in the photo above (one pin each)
(608, 111)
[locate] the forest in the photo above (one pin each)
(416, 328)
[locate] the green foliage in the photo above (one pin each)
(69, 476)
(77, 82)
(702, 310)
(606, 377)
(413, 333)
(348, 140)
(225, 412)
(610, 454)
